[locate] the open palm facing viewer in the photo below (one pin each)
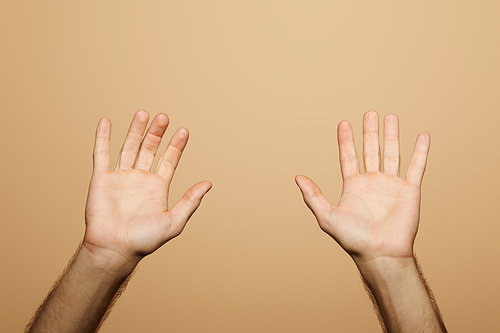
(376, 221)
(127, 217)
(127, 213)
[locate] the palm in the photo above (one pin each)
(378, 213)
(127, 210)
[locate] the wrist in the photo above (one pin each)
(382, 263)
(107, 261)
(382, 272)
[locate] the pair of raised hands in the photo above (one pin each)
(128, 217)
(128, 214)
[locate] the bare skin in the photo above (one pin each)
(376, 222)
(127, 218)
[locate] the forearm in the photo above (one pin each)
(82, 296)
(405, 302)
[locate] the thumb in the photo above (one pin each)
(314, 199)
(187, 205)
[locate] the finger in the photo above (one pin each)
(187, 205)
(371, 150)
(349, 164)
(314, 199)
(130, 147)
(391, 144)
(170, 159)
(151, 142)
(418, 162)
(101, 146)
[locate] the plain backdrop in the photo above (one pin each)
(261, 85)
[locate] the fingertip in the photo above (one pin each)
(344, 132)
(301, 180)
(370, 114)
(183, 132)
(142, 115)
(426, 135)
(344, 125)
(391, 117)
(104, 123)
(307, 186)
(424, 140)
(103, 127)
(202, 187)
(162, 119)
(208, 185)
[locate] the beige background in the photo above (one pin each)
(261, 85)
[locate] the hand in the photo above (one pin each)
(127, 215)
(378, 213)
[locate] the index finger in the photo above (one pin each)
(349, 164)
(101, 146)
(416, 170)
